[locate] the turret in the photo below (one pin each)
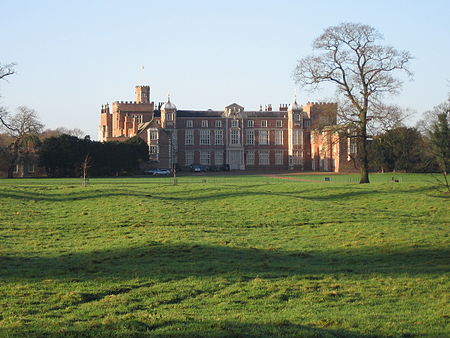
(168, 114)
(294, 113)
(295, 134)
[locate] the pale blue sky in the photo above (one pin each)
(73, 56)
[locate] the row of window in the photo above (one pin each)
(29, 168)
(206, 157)
(235, 137)
(234, 123)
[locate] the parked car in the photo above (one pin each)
(149, 171)
(198, 168)
(215, 168)
(161, 172)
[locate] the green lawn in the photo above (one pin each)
(225, 256)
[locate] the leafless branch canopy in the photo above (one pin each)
(6, 70)
(430, 117)
(24, 122)
(351, 58)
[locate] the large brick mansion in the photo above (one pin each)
(292, 137)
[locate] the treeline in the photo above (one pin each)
(64, 156)
(402, 149)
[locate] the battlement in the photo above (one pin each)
(320, 103)
(130, 102)
(142, 94)
(284, 107)
(105, 109)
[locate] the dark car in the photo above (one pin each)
(215, 168)
(198, 168)
(225, 167)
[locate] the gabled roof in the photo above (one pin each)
(149, 124)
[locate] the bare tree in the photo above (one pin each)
(23, 129)
(361, 69)
(85, 165)
(7, 70)
(62, 130)
(436, 128)
(431, 117)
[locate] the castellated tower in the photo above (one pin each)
(142, 94)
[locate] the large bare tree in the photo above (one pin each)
(349, 56)
(22, 130)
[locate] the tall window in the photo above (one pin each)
(279, 157)
(169, 116)
(204, 157)
(250, 159)
(204, 136)
(138, 117)
(153, 150)
(234, 123)
(189, 123)
(298, 137)
(250, 136)
(219, 124)
(263, 123)
(189, 137)
(264, 157)
(234, 136)
(278, 137)
(297, 117)
(218, 136)
(189, 157)
(279, 123)
(306, 123)
(263, 137)
(218, 157)
(250, 123)
(153, 134)
(353, 146)
(297, 159)
(205, 123)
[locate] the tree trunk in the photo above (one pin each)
(14, 158)
(362, 150)
(11, 171)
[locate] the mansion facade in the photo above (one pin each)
(293, 137)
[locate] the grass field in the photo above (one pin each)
(224, 256)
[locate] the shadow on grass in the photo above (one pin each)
(188, 328)
(169, 261)
(322, 193)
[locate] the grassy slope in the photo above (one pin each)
(241, 255)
